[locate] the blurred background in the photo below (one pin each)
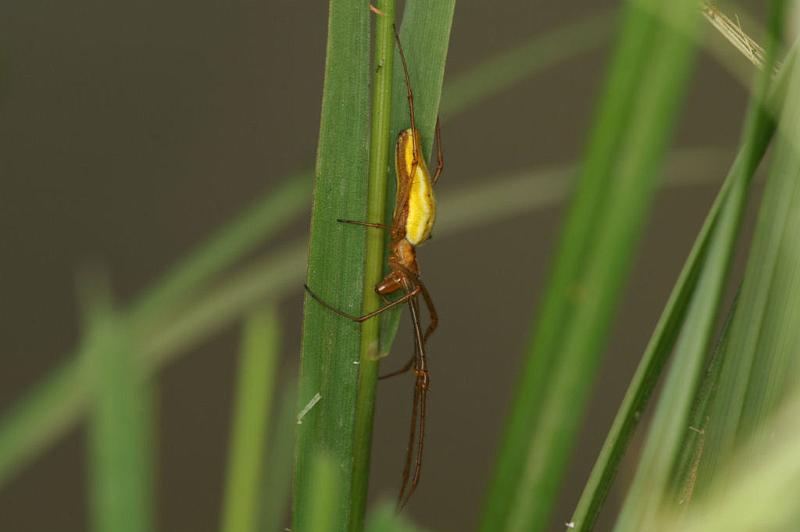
(130, 132)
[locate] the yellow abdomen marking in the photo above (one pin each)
(421, 203)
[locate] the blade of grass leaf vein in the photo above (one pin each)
(379, 151)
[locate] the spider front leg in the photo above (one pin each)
(368, 315)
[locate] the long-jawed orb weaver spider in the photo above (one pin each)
(412, 223)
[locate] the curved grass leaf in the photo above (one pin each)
(757, 137)
(651, 484)
(759, 357)
(643, 91)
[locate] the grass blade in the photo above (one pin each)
(757, 137)
(644, 88)
(757, 359)
(120, 425)
(252, 406)
(386, 519)
(278, 467)
(652, 481)
(649, 369)
(760, 488)
(325, 495)
(335, 271)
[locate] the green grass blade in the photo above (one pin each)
(761, 344)
(42, 416)
(120, 424)
(649, 369)
(278, 465)
(335, 268)
(644, 89)
(255, 384)
(759, 491)
(324, 497)
(685, 471)
(653, 476)
(386, 519)
(757, 137)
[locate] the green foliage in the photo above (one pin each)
(120, 425)
(759, 359)
(335, 271)
(650, 492)
(609, 206)
(251, 417)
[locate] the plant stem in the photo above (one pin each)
(373, 268)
